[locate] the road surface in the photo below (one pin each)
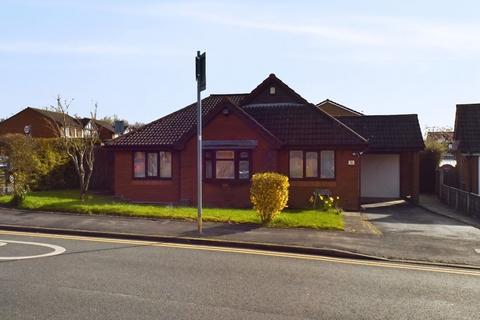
(117, 279)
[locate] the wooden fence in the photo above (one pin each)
(465, 202)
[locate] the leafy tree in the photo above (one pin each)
(79, 150)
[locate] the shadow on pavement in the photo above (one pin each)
(221, 230)
(404, 212)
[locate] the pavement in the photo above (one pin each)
(430, 202)
(95, 278)
(398, 232)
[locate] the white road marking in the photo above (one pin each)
(477, 250)
(56, 250)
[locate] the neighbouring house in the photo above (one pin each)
(357, 157)
(467, 146)
(41, 123)
(336, 109)
(106, 131)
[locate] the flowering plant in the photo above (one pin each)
(324, 202)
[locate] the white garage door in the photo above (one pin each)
(380, 176)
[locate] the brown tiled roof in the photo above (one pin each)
(303, 125)
(294, 123)
(270, 80)
(388, 132)
(467, 128)
(58, 117)
(170, 130)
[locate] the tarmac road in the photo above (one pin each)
(120, 279)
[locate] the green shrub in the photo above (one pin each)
(37, 163)
(434, 150)
(269, 194)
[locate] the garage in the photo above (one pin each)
(380, 176)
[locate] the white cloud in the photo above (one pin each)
(378, 32)
(36, 47)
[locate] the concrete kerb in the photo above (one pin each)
(197, 241)
(329, 252)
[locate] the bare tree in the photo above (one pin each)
(78, 141)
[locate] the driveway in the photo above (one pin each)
(403, 218)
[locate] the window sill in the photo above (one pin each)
(227, 181)
(312, 179)
(152, 179)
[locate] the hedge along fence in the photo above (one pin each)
(41, 161)
(269, 194)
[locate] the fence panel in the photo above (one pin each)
(465, 202)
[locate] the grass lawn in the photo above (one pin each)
(67, 201)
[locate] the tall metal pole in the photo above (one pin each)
(199, 160)
(200, 73)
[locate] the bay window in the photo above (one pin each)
(312, 164)
(152, 165)
(227, 165)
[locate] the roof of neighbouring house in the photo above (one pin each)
(288, 117)
(388, 132)
(345, 111)
(101, 123)
(467, 128)
(58, 117)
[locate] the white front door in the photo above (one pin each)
(380, 176)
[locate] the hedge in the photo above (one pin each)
(42, 160)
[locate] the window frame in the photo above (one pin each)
(147, 177)
(236, 161)
(319, 167)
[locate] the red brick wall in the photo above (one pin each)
(227, 193)
(265, 157)
(346, 184)
(165, 191)
(41, 126)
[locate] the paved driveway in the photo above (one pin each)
(405, 219)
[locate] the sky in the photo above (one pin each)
(136, 58)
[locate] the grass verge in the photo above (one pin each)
(67, 201)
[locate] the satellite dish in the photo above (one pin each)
(27, 129)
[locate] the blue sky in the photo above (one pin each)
(135, 58)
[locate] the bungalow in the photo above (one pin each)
(467, 146)
(357, 157)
